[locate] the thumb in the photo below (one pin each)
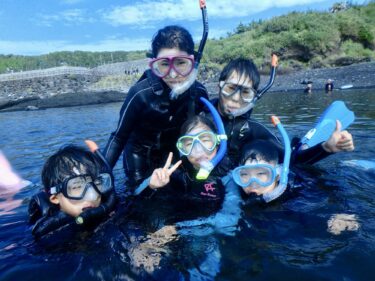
(338, 127)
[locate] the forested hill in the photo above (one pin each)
(341, 36)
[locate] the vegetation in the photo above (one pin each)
(344, 35)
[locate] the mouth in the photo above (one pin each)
(87, 207)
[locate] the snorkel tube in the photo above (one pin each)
(179, 89)
(110, 200)
(260, 93)
(207, 167)
(285, 167)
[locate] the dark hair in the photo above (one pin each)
(194, 121)
(172, 36)
(60, 165)
(244, 67)
(260, 149)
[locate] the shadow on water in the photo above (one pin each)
(285, 241)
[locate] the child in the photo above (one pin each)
(77, 185)
(156, 106)
(238, 88)
(197, 145)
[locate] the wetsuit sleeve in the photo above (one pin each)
(129, 115)
(310, 155)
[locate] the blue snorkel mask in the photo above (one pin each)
(263, 175)
(206, 142)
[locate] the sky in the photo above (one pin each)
(35, 27)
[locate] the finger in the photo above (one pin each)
(159, 174)
(169, 161)
(338, 126)
(174, 167)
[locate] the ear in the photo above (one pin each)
(54, 199)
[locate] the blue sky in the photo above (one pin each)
(33, 27)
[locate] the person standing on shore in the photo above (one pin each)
(329, 85)
(156, 106)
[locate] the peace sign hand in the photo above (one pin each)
(160, 177)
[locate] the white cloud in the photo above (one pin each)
(44, 47)
(71, 2)
(68, 17)
(149, 11)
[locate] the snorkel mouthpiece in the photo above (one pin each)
(207, 167)
(279, 190)
(180, 89)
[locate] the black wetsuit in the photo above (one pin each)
(149, 125)
(242, 130)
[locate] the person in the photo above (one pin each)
(308, 88)
(156, 106)
(78, 186)
(197, 145)
(238, 93)
(329, 85)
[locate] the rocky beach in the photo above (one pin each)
(64, 90)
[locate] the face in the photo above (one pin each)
(234, 102)
(76, 207)
(254, 188)
(173, 79)
(199, 154)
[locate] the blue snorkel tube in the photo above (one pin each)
(279, 190)
(176, 91)
(207, 167)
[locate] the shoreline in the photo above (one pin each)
(361, 76)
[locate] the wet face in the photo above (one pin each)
(234, 102)
(254, 187)
(75, 207)
(173, 79)
(199, 154)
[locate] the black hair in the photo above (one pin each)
(194, 121)
(59, 166)
(172, 36)
(260, 150)
(244, 67)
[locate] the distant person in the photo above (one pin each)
(308, 88)
(329, 85)
(157, 106)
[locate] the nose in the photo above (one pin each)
(172, 73)
(236, 97)
(91, 194)
(197, 149)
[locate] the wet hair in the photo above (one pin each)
(244, 67)
(192, 122)
(60, 165)
(172, 36)
(259, 150)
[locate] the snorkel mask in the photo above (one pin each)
(264, 174)
(181, 88)
(248, 95)
(205, 142)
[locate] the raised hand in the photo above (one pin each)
(339, 141)
(160, 177)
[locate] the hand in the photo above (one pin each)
(339, 141)
(160, 177)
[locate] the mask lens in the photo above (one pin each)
(262, 175)
(76, 187)
(160, 67)
(103, 182)
(247, 93)
(207, 140)
(182, 65)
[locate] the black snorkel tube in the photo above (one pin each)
(207, 167)
(179, 89)
(105, 207)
